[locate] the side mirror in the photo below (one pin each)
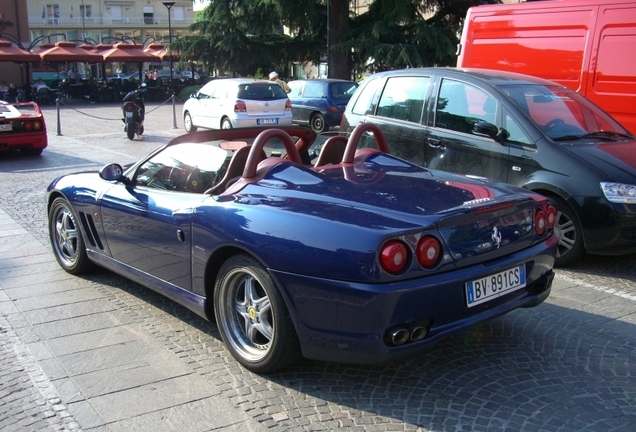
(485, 128)
(112, 172)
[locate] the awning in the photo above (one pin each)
(127, 53)
(64, 52)
(160, 51)
(9, 53)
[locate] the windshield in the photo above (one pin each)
(561, 113)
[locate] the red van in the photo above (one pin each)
(587, 45)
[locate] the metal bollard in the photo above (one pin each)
(57, 107)
(174, 112)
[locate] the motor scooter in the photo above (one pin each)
(134, 111)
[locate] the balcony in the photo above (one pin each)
(107, 21)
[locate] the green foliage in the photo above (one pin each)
(246, 37)
(185, 92)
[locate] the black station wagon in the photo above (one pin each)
(517, 129)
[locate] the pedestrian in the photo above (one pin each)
(273, 76)
(3, 90)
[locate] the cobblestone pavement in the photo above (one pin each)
(567, 365)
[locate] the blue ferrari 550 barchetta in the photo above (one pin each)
(356, 256)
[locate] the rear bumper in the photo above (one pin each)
(344, 322)
(23, 141)
(252, 121)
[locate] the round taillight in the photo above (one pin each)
(27, 126)
(551, 216)
(393, 256)
(428, 251)
(37, 125)
(540, 223)
(240, 106)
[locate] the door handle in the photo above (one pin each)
(435, 143)
(180, 235)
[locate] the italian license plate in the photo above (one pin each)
(496, 285)
(266, 121)
(129, 114)
(6, 127)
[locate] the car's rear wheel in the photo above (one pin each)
(317, 123)
(569, 232)
(66, 238)
(226, 123)
(253, 318)
(187, 123)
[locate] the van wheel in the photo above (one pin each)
(569, 232)
(187, 123)
(317, 123)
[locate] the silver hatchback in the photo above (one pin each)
(236, 103)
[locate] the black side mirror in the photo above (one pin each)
(487, 129)
(112, 172)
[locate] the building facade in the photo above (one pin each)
(14, 26)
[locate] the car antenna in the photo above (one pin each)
(406, 55)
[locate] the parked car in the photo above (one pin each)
(237, 102)
(319, 103)
(187, 75)
(509, 127)
(22, 127)
(350, 262)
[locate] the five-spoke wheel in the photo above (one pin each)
(66, 238)
(252, 317)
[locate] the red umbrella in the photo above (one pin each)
(161, 52)
(64, 52)
(10, 53)
(127, 53)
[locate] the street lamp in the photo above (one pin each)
(169, 5)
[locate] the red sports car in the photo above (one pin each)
(22, 127)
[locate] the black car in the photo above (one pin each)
(319, 103)
(517, 129)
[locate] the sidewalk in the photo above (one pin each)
(72, 360)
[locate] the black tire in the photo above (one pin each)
(66, 238)
(187, 123)
(568, 230)
(130, 131)
(256, 328)
(226, 123)
(318, 123)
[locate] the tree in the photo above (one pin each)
(248, 36)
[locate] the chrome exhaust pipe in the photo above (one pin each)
(417, 333)
(398, 335)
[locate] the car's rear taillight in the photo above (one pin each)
(240, 106)
(551, 216)
(429, 251)
(540, 223)
(27, 126)
(288, 105)
(393, 256)
(37, 125)
(333, 109)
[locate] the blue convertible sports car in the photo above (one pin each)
(355, 257)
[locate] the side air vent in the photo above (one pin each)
(91, 231)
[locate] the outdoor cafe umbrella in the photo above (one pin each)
(161, 52)
(64, 52)
(10, 53)
(128, 53)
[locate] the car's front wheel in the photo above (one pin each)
(66, 238)
(253, 318)
(318, 123)
(569, 232)
(187, 123)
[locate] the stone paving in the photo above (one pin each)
(100, 353)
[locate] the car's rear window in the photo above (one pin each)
(261, 91)
(343, 90)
